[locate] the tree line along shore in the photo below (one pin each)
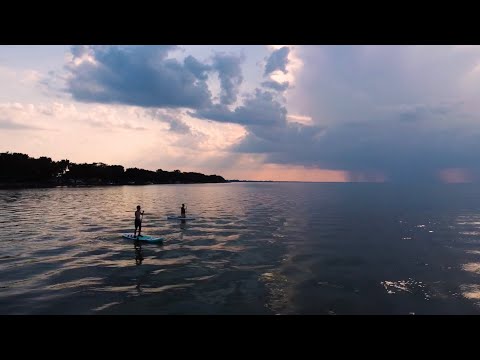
(21, 170)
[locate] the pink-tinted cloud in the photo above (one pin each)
(456, 175)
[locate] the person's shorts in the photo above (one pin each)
(138, 223)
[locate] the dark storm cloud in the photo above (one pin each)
(277, 60)
(139, 75)
(230, 75)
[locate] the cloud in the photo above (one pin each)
(230, 75)
(276, 85)
(30, 77)
(136, 75)
(12, 125)
(260, 109)
(109, 125)
(146, 76)
(393, 149)
(420, 112)
(277, 61)
(172, 118)
(18, 116)
(402, 112)
(364, 119)
(79, 51)
(54, 115)
(197, 68)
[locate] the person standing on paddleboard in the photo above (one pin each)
(183, 210)
(138, 221)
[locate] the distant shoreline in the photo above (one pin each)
(10, 186)
(46, 185)
(22, 171)
(41, 185)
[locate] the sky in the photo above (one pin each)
(403, 114)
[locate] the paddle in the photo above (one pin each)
(141, 220)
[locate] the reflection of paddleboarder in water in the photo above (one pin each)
(138, 253)
(183, 227)
(138, 261)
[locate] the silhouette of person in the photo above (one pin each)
(138, 221)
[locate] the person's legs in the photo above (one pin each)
(139, 228)
(137, 225)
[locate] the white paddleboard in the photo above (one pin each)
(142, 238)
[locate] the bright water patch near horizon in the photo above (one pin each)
(254, 248)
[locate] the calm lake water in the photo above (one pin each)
(254, 248)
